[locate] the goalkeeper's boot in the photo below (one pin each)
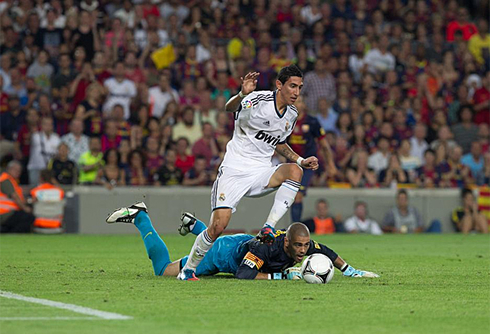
(188, 222)
(267, 234)
(187, 275)
(352, 272)
(126, 215)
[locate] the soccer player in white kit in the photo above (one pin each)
(263, 122)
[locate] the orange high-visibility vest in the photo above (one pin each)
(324, 226)
(50, 193)
(6, 203)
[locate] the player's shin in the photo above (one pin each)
(284, 198)
(155, 247)
(201, 246)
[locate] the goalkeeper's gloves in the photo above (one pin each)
(267, 234)
(350, 271)
(293, 273)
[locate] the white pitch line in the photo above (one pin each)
(47, 318)
(70, 307)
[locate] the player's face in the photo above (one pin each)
(290, 89)
(297, 247)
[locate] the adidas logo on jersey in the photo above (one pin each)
(267, 123)
(267, 138)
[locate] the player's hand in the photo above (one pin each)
(331, 168)
(310, 163)
(293, 273)
(249, 83)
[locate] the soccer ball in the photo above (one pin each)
(317, 269)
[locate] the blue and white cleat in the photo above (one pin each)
(187, 275)
(352, 272)
(188, 222)
(126, 215)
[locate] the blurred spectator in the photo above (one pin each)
(44, 145)
(484, 137)
(64, 75)
(111, 174)
(481, 98)
(453, 173)
(207, 146)
(184, 160)
(407, 160)
(17, 88)
(467, 218)
(76, 141)
(188, 128)
(42, 72)
(393, 174)
(237, 43)
(379, 60)
(23, 143)
(160, 96)
(323, 222)
(110, 139)
(461, 24)
(465, 132)
(360, 222)
(168, 174)
(153, 158)
(418, 143)
(198, 175)
(483, 177)
(124, 150)
(426, 175)
(404, 218)
(474, 159)
(90, 162)
(326, 114)
(358, 173)
(379, 160)
(86, 35)
(90, 112)
(444, 136)
(120, 90)
(479, 44)
(318, 83)
(15, 214)
(62, 167)
(136, 173)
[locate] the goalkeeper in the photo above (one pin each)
(239, 254)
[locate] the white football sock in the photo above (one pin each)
(201, 246)
(284, 199)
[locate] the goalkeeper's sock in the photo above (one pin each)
(282, 201)
(198, 227)
(296, 211)
(155, 247)
(202, 244)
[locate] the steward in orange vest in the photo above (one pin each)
(15, 215)
(322, 223)
(47, 192)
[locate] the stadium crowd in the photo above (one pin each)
(129, 92)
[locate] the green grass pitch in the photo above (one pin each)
(428, 284)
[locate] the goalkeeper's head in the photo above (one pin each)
(297, 241)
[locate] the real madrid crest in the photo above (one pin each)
(222, 197)
(287, 126)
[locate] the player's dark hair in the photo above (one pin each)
(466, 191)
(46, 175)
(322, 200)
(287, 72)
(297, 230)
(402, 191)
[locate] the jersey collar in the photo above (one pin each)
(275, 106)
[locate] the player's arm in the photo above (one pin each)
(286, 151)
(249, 83)
(250, 266)
(337, 261)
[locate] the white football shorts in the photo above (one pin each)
(231, 185)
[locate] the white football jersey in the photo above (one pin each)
(259, 127)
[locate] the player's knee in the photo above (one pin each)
(295, 172)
